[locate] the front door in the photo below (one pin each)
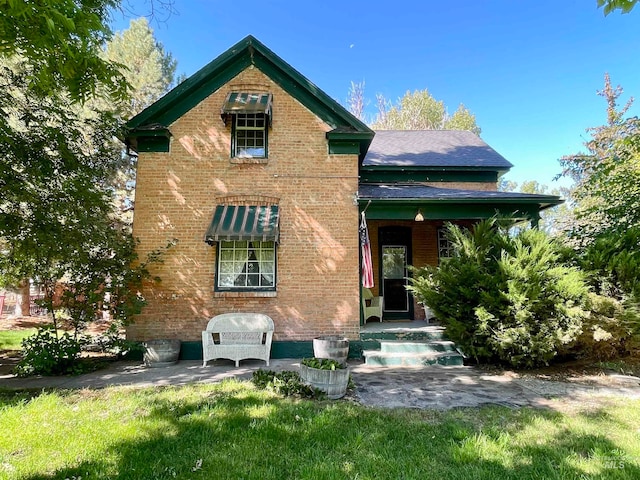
(395, 255)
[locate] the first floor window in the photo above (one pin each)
(445, 248)
(246, 265)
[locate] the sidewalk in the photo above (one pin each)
(406, 387)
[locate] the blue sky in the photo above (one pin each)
(528, 70)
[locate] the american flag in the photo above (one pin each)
(365, 246)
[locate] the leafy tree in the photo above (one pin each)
(57, 161)
(150, 73)
(610, 5)
(555, 220)
(607, 176)
(421, 111)
(57, 221)
(61, 40)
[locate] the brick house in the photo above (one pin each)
(262, 177)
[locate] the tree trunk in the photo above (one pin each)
(22, 299)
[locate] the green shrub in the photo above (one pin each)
(287, 383)
(611, 330)
(612, 263)
(505, 299)
(48, 353)
(323, 363)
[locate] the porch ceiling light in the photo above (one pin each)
(419, 217)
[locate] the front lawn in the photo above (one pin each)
(12, 339)
(231, 430)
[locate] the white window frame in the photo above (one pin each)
(250, 122)
(244, 265)
(445, 248)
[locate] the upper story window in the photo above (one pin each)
(251, 117)
(249, 136)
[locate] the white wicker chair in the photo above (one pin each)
(371, 305)
(238, 336)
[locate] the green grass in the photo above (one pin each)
(12, 339)
(231, 430)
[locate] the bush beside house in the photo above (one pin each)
(516, 300)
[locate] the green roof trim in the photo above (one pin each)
(428, 174)
(217, 73)
(148, 138)
(454, 208)
(449, 211)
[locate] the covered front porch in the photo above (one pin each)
(406, 227)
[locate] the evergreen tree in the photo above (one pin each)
(607, 176)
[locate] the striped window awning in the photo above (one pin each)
(241, 222)
(241, 102)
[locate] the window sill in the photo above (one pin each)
(254, 294)
(248, 160)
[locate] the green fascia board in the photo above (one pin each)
(151, 144)
(248, 51)
(449, 211)
(344, 147)
(349, 142)
(190, 93)
(141, 132)
(383, 173)
(148, 139)
(375, 168)
(454, 209)
(539, 200)
(428, 175)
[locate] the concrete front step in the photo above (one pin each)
(414, 347)
(375, 357)
(417, 334)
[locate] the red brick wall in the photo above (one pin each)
(317, 257)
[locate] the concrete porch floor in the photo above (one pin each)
(400, 326)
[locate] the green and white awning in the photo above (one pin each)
(241, 222)
(241, 102)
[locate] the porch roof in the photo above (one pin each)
(400, 201)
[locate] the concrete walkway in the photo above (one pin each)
(406, 387)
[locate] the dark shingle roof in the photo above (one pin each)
(432, 148)
(426, 193)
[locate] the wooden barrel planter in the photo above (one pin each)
(332, 382)
(160, 353)
(334, 347)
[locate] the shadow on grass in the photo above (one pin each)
(237, 432)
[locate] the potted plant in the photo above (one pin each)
(325, 374)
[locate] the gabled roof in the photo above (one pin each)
(433, 149)
(250, 51)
